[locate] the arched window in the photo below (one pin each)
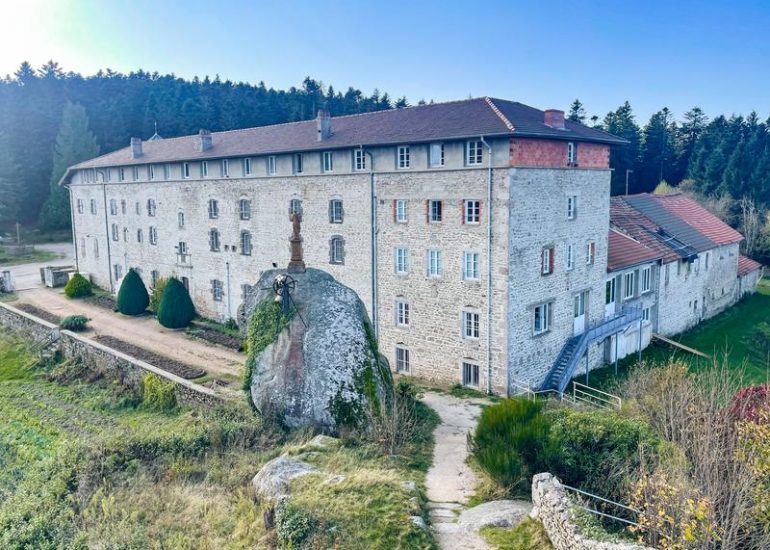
(246, 243)
(180, 220)
(214, 240)
(244, 208)
(337, 250)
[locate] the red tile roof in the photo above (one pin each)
(699, 218)
(747, 265)
(623, 252)
(639, 227)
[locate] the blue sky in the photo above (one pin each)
(653, 53)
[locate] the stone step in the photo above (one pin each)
(444, 506)
(442, 513)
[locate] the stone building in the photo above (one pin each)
(475, 232)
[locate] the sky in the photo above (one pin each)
(674, 53)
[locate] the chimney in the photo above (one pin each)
(204, 141)
(324, 124)
(554, 118)
(136, 148)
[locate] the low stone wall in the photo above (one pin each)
(554, 510)
(99, 358)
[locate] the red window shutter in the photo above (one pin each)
(427, 211)
(462, 211)
(395, 203)
(481, 208)
(550, 260)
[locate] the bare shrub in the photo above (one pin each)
(394, 422)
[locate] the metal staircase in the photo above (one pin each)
(575, 348)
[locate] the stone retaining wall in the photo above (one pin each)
(102, 359)
(555, 512)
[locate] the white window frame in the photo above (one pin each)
(166, 171)
(572, 207)
(115, 232)
(570, 258)
(610, 291)
(471, 265)
(472, 211)
(244, 209)
(81, 206)
(246, 245)
(337, 250)
(434, 261)
(629, 285)
(247, 166)
(271, 165)
(571, 153)
(295, 207)
(359, 160)
(215, 244)
(546, 261)
(403, 157)
(436, 154)
(474, 153)
(113, 207)
(401, 260)
(121, 174)
(590, 252)
(217, 290)
(336, 211)
(646, 280)
(544, 310)
(435, 211)
(402, 360)
(213, 209)
(298, 163)
(185, 170)
(471, 374)
(180, 220)
(327, 161)
(204, 169)
(153, 235)
(151, 172)
(135, 173)
(471, 324)
(401, 212)
(152, 208)
(402, 313)
(224, 168)
(646, 315)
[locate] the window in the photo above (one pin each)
(298, 163)
(185, 170)
(434, 211)
(546, 263)
(93, 206)
(150, 172)
(151, 208)
(121, 174)
(474, 153)
(114, 232)
(471, 270)
(579, 302)
(139, 235)
(245, 243)
(154, 276)
(337, 250)
(646, 314)
(96, 249)
(135, 173)
(470, 374)
(404, 160)
(153, 235)
(123, 207)
(590, 253)
(113, 207)
(471, 211)
(399, 211)
(82, 247)
(402, 313)
(707, 260)
(204, 169)
(436, 155)
(224, 168)
(571, 207)
(335, 211)
(247, 166)
(216, 290)
(327, 161)
(295, 207)
(180, 220)
(402, 261)
(646, 279)
(81, 208)
(542, 318)
(125, 234)
(571, 154)
(629, 284)
(138, 208)
(434, 263)
(244, 209)
(470, 324)
(402, 359)
(182, 252)
(359, 159)
(166, 171)
(213, 209)
(118, 271)
(609, 291)
(186, 283)
(570, 260)
(271, 165)
(214, 240)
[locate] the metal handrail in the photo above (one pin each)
(607, 501)
(612, 401)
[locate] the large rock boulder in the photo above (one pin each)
(318, 366)
(273, 481)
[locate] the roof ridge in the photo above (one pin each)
(499, 113)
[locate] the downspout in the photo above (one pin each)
(375, 289)
(489, 266)
(229, 310)
(107, 234)
(74, 231)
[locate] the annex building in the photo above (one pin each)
(480, 234)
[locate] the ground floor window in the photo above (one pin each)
(402, 359)
(118, 271)
(470, 374)
(217, 290)
(542, 318)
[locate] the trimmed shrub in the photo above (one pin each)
(176, 309)
(78, 287)
(75, 323)
(156, 294)
(157, 393)
(132, 296)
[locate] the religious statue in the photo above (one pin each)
(296, 264)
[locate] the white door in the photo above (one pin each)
(609, 298)
(580, 313)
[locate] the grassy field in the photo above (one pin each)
(85, 463)
(740, 335)
(6, 258)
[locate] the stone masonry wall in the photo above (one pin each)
(553, 154)
(555, 511)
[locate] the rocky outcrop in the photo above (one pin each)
(320, 368)
(554, 509)
(499, 513)
(273, 481)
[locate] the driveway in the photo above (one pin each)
(28, 275)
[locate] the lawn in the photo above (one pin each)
(740, 335)
(34, 256)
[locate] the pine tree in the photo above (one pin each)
(74, 143)
(688, 133)
(11, 184)
(621, 123)
(577, 112)
(657, 151)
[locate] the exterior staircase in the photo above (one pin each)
(575, 348)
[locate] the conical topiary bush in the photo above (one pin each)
(78, 287)
(176, 309)
(132, 296)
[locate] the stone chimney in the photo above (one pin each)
(136, 148)
(324, 124)
(204, 141)
(554, 118)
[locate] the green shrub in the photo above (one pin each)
(157, 393)
(156, 293)
(176, 309)
(75, 323)
(512, 443)
(293, 525)
(132, 296)
(78, 287)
